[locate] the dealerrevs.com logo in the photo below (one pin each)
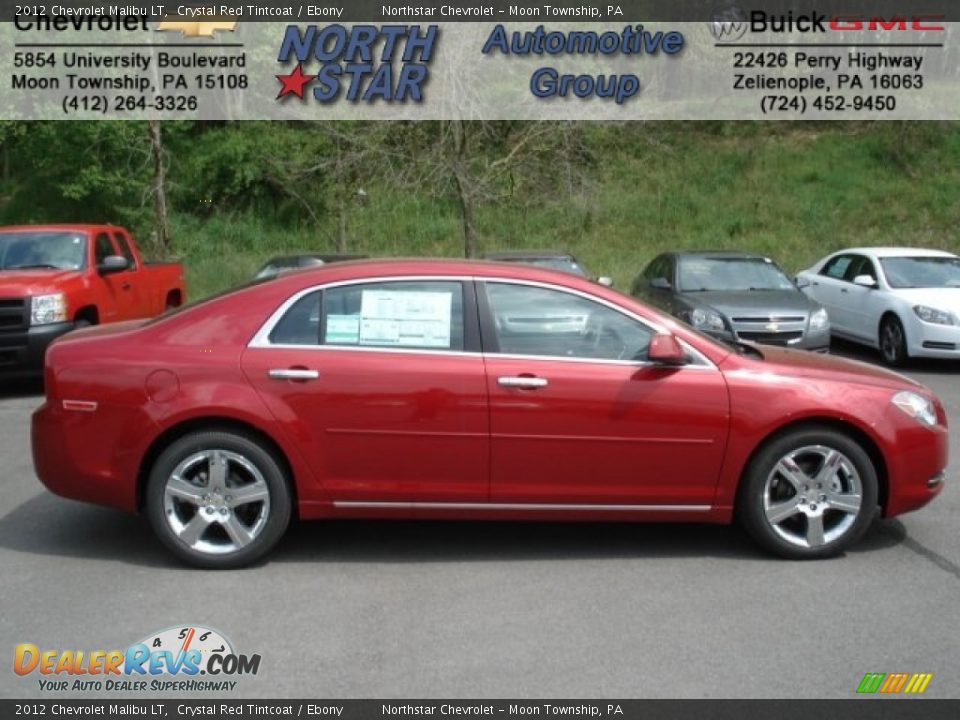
(179, 659)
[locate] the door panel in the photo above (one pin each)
(827, 287)
(578, 417)
(382, 424)
(111, 298)
(131, 283)
(606, 433)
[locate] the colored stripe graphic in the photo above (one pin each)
(894, 683)
(871, 683)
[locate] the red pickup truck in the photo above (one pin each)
(55, 278)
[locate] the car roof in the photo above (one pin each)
(881, 252)
(527, 255)
(75, 227)
(325, 257)
(731, 254)
(413, 267)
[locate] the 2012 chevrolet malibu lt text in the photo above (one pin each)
(455, 389)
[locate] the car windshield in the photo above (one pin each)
(42, 250)
(922, 272)
(703, 274)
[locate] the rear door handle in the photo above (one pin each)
(125, 286)
(843, 290)
(293, 374)
(525, 383)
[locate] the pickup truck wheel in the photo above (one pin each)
(809, 494)
(218, 500)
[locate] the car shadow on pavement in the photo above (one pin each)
(29, 387)
(47, 525)
(447, 541)
(854, 351)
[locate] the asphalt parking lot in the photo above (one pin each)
(404, 610)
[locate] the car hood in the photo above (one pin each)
(23, 283)
(800, 363)
(754, 303)
(947, 299)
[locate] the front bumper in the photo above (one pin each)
(817, 341)
(933, 341)
(22, 351)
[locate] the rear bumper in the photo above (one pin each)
(22, 352)
(73, 463)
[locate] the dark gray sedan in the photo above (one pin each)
(734, 296)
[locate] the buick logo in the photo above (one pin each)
(728, 25)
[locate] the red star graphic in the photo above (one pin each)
(294, 82)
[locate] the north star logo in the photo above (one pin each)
(197, 29)
(728, 25)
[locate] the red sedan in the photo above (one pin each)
(453, 389)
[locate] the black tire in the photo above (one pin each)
(272, 516)
(782, 538)
(893, 342)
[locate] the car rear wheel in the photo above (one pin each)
(218, 499)
(809, 494)
(893, 342)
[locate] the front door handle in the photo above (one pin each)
(125, 286)
(301, 374)
(525, 383)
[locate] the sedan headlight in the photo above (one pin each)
(916, 406)
(703, 319)
(819, 320)
(46, 309)
(932, 315)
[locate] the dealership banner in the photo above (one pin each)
(480, 61)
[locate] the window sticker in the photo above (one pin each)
(405, 318)
(343, 329)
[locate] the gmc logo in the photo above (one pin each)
(899, 23)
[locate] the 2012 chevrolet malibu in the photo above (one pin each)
(399, 389)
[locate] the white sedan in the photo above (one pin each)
(903, 301)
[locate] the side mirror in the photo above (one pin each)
(802, 282)
(661, 284)
(112, 264)
(865, 281)
(665, 349)
(605, 281)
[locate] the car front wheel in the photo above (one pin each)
(218, 499)
(893, 342)
(808, 494)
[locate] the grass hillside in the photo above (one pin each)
(793, 191)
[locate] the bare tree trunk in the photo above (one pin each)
(465, 197)
(159, 186)
(342, 240)
(341, 191)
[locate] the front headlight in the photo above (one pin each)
(819, 320)
(703, 319)
(916, 406)
(932, 315)
(46, 309)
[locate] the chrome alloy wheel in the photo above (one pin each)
(812, 496)
(216, 502)
(892, 341)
